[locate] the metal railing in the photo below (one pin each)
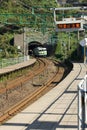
(11, 61)
(82, 104)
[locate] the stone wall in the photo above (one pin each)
(19, 41)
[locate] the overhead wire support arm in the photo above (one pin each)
(27, 19)
(36, 17)
(68, 8)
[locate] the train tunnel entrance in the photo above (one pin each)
(33, 45)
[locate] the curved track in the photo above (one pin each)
(14, 83)
(59, 109)
(18, 83)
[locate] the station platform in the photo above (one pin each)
(56, 110)
(17, 66)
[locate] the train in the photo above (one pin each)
(40, 52)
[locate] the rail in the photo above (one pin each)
(30, 97)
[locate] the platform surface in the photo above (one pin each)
(56, 110)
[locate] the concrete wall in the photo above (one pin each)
(19, 40)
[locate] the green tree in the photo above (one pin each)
(7, 49)
(4, 44)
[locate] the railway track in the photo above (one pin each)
(35, 94)
(9, 85)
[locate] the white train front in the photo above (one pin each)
(40, 51)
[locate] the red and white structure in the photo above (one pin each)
(68, 24)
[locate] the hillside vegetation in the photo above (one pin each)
(18, 7)
(32, 7)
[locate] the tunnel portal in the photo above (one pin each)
(33, 45)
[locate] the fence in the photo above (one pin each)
(82, 104)
(11, 61)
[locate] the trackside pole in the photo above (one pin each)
(82, 104)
